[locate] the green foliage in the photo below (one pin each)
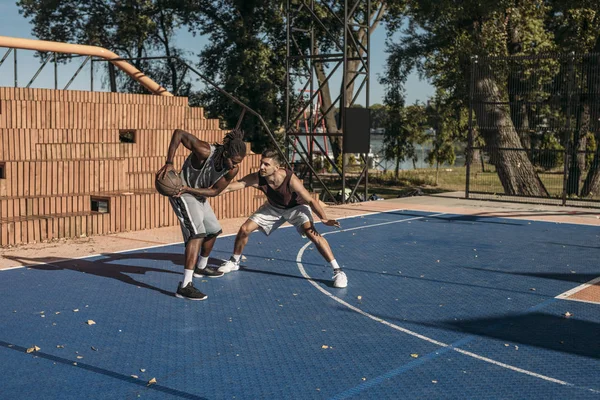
(550, 153)
(132, 29)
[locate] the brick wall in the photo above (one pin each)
(60, 149)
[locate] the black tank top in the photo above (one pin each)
(282, 197)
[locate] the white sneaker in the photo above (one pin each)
(229, 266)
(340, 280)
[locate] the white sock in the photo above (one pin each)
(202, 261)
(188, 274)
(334, 264)
(236, 257)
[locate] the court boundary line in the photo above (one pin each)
(583, 286)
(175, 243)
(413, 333)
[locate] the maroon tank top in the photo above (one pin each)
(282, 197)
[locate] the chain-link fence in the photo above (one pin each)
(534, 129)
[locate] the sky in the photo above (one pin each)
(15, 25)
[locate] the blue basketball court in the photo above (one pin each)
(437, 306)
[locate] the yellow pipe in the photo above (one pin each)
(58, 47)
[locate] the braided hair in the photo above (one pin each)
(233, 143)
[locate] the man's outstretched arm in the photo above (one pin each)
(223, 186)
(297, 186)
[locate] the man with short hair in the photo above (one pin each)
(287, 201)
(207, 170)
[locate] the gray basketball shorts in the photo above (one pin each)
(196, 218)
(269, 218)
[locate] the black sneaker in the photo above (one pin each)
(208, 271)
(189, 292)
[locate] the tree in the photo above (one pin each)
(448, 124)
(131, 28)
(404, 126)
(245, 57)
(439, 39)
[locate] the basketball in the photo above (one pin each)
(169, 185)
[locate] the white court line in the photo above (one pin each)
(565, 295)
(165, 244)
(408, 331)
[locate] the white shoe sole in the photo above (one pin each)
(189, 298)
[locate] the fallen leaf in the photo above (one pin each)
(359, 297)
(76, 310)
(95, 349)
(506, 345)
(143, 370)
(433, 381)
(152, 381)
(324, 346)
(364, 379)
(414, 355)
(134, 376)
(91, 322)
(568, 314)
(60, 346)
(79, 357)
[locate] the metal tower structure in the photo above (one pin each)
(328, 60)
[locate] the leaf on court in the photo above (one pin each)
(278, 250)
(60, 346)
(142, 370)
(506, 344)
(516, 347)
(95, 349)
(414, 355)
(79, 357)
(532, 289)
(58, 312)
(76, 310)
(152, 381)
(134, 376)
(364, 379)
(324, 346)
(434, 381)
(568, 314)
(91, 322)
(33, 349)
(359, 297)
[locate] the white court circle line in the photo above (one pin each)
(405, 330)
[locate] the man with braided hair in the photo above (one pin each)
(210, 168)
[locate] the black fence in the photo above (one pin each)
(534, 129)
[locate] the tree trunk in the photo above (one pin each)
(515, 170)
(577, 159)
(591, 185)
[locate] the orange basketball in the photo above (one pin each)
(170, 184)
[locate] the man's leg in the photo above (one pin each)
(190, 218)
(339, 277)
(202, 269)
(241, 239)
(213, 229)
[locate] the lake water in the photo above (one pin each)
(390, 165)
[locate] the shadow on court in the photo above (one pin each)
(103, 371)
(568, 335)
(567, 277)
(105, 267)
